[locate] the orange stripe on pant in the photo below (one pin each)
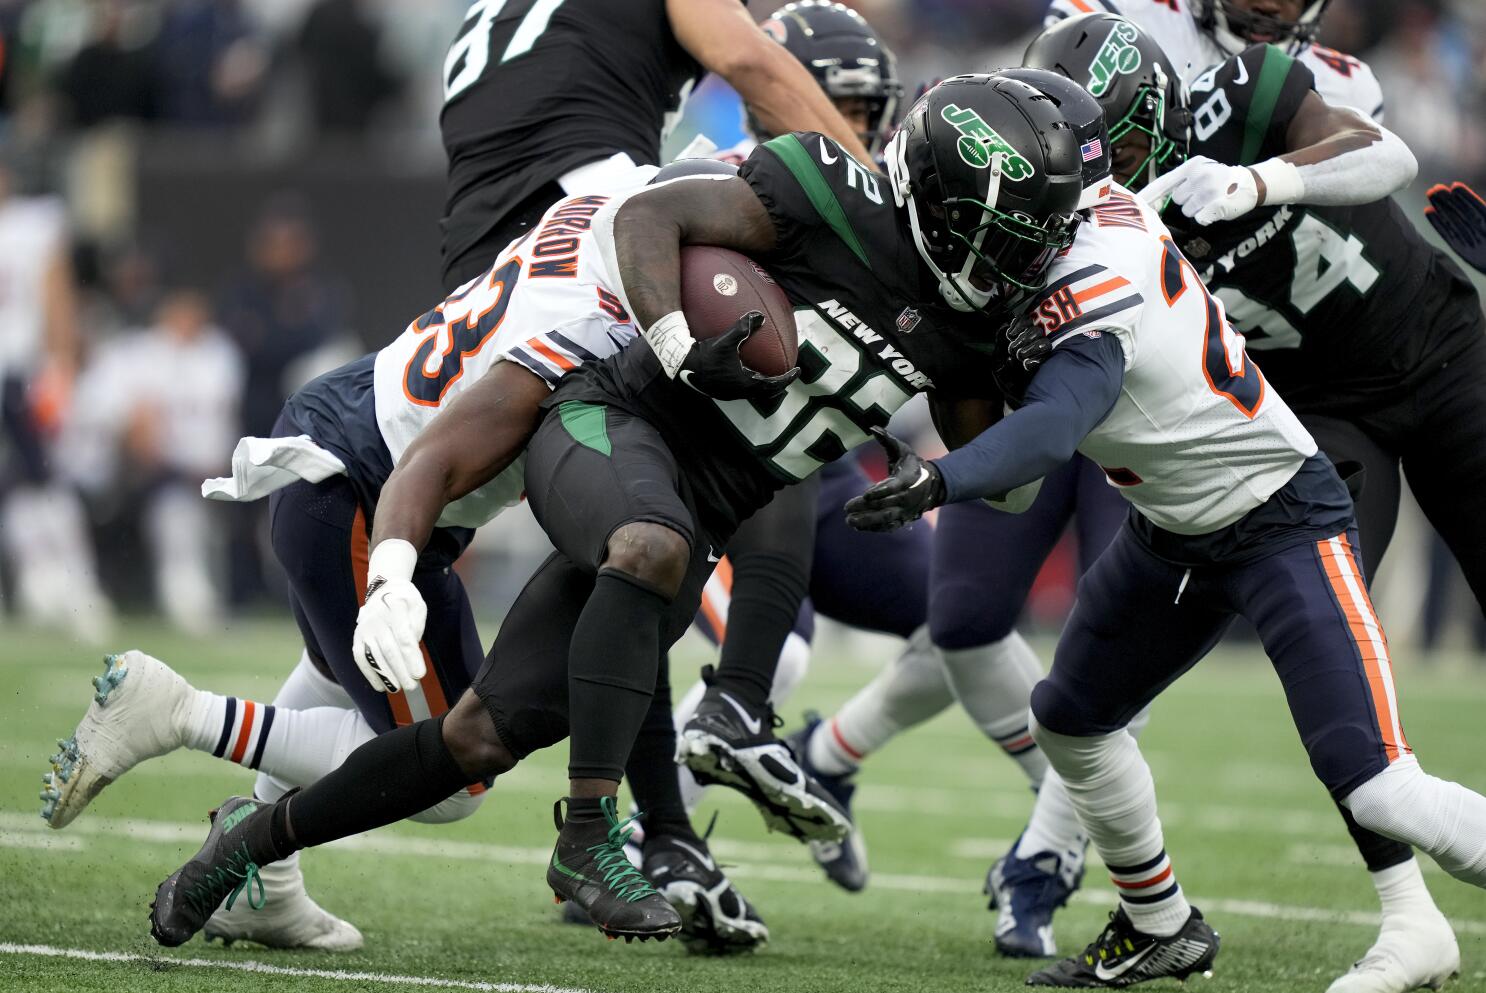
(1367, 637)
(715, 609)
(433, 691)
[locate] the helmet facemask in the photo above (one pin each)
(1150, 115)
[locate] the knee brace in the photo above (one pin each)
(1434, 815)
(455, 808)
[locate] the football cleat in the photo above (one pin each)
(139, 711)
(715, 919)
(1413, 952)
(728, 742)
(1122, 956)
(288, 918)
(590, 868)
(845, 861)
(1026, 892)
(222, 869)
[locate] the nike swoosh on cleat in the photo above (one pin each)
(704, 859)
(1107, 974)
(754, 724)
(566, 871)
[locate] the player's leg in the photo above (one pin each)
(1045, 864)
(1138, 624)
(872, 582)
(1444, 456)
(715, 918)
(1414, 933)
(1311, 609)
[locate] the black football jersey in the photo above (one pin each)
(1338, 304)
(536, 88)
(873, 331)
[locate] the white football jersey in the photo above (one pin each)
(546, 304)
(1196, 439)
(1341, 80)
(32, 231)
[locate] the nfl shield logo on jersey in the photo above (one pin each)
(908, 320)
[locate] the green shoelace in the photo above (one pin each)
(620, 875)
(240, 873)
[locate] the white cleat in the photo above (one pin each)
(139, 711)
(288, 918)
(1408, 955)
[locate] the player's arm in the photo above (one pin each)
(1067, 398)
(471, 441)
(643, 249)
(783, 95)
(62, 344)
(1332, 156)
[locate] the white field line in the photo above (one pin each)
(23, 832)
(51, 951)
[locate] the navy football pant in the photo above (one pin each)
(985, 560)
(1141, 622)
(321, 536)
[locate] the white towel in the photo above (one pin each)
(262, 465)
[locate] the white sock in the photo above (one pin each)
(1402, 893)
(1053, 826)
(1110, 786)
(908, 692)
(1436, 816)
(305, 689)
(994, 684)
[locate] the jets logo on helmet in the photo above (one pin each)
(979, 144)
(1118, 56)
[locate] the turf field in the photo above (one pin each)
(1254, 840)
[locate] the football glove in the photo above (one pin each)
(1207, 191)
(1019, 353)
(389, 627)
(913, 488)
(714, 368)
(1459, 215)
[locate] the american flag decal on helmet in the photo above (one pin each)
(1092, 149)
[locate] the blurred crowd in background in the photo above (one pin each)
(228, 197)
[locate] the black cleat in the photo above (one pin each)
(715, 919)
(1123, 956)
(589, 867)
(844, 862)
(726, 741)
(222, 869)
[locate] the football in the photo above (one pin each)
(718, 286)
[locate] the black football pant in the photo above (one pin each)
(1437, 434)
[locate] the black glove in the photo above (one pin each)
(1020, 350)
(1459, 215)
(913, 489)
(713, 368)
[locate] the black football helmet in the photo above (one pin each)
(1134, 82)
(1087, 118)
(1235, 28)
(991, 175)
(845, 56)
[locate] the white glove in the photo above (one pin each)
(1207, 191)
(390, 626)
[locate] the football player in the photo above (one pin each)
(1198, 34)
(1235, 514)
(644, 463)
(516, 329)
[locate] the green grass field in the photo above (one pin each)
(1254, 840)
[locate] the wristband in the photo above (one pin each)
(393, 560)
(670, 339)
(1282, 182)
